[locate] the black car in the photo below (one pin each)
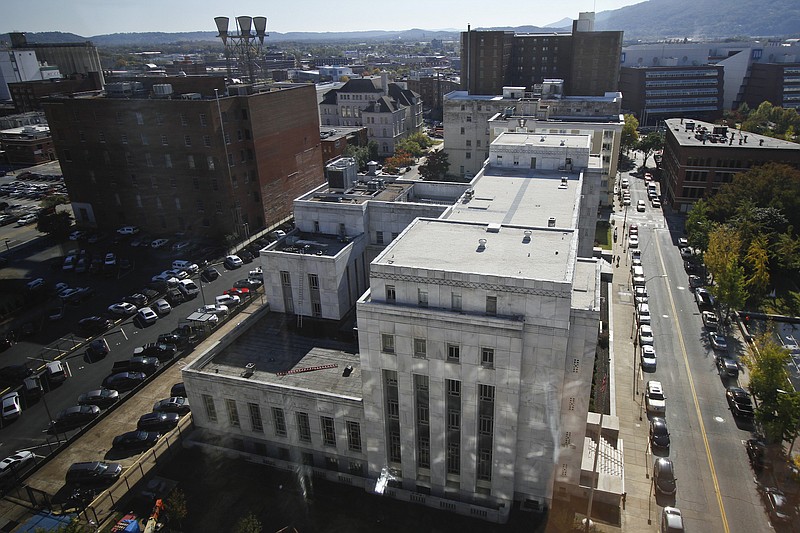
(664, 476)
(93, 473)
(81, 294)
(209, 274)
(778, 506)
(739, 402)
(177, 404)
(138, 299)
(659, 434)
(136, 440)
(757, 453)
(94, 324)
(174, 297)
(160, 350)
(74, 417)
(102, 398)
(124, 381)
(158, 421)
(148, 365)
(14, 374)
(245, 256)
(175, 339)
(251, 284)
(179, 389)
(150, 294)
(97, 349)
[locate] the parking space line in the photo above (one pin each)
(694, 395)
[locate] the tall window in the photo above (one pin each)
(280, 421)
(328, 431)
(303, 427)
(422, 298)
(394, 447)
(353, 436)
(211, 411)
(453, 353)
(387, 343)
(255, 417)
(487, 357)
(455, 301)
(491, 305)
(391, 296)
(453, 458)
(420, 348)
(233, 412)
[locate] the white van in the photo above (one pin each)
(188, 288)
(188, 266)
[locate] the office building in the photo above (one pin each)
(654, 94)
(28, 95)
(776, 83)
(172, 161)
(699, 157)
(27, 145)
(587, 60)
(476, 344)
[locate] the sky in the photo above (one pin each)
(98, 17)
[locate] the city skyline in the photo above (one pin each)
(91, 17)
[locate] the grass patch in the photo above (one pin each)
(603, 235)
(786, 301)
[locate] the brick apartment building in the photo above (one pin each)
(27, 95)
(777, 83)
(190, 162)
(699, 157)
(27, 145)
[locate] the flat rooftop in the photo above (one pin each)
(677, 128)
(274, 349)
(299, 242)
(360, 193)
(451, 245)
(524, 197)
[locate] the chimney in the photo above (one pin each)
(385, 82)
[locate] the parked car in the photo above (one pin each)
(241, 292)
(13, 375)
(178, 389)
(246, 256)
(633, 241)
(779, 508)
(718, 342)
(122, 309)
(659, 434)
(12, 464)
(189, 288)
(146, 316)
(251, 284)
(94, 324)
(187, 266)
(655, 400)
(74, 417)
(136, 440)
(160, 422)
(93, 473)
(146, 364)
(159, 243)
(160, 350)
(664, 476)
(79, 295)
(177, 404)
(757, 453)
(209, 274)
(648, 358)
(11, 406)
(124, 381)
(695, 281)
(162, 307)
(138, 299)
(35, 284)
(128, 230)
(727, 367)
(646, 334)
(232, 262)
(739, 402)
(228, 300)
(97, 349)
(102, 398)
(110, 259)
(671, 520)
(643, 313)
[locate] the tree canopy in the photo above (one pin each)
(435, 166)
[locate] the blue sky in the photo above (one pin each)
(97, 17)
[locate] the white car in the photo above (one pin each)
(11, 407)
(15, 462)
(633, 241)
(38, 283)
(110, 259)
(147, 316)
(233, 261)
(228, 300)
(640, 205)
(165, 276)
(77, 235)
(256, 273)
(643, 312)
(162, 307)
(128, 230)
(656, 202)
(214, 309)
(671, 520)
(646, 334)
(122, 309)
(159, 243)
(641, 295)
(648, 357)
(654, 397)
(683, 242)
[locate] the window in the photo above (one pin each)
(184, 121)
(424, 451)
(453, 419)
(387, 343)
(168, 160)
(210, 162)
(455, 301)
(379, 237)
(491, 305)
(211, 411)
(423, 414)
(485, 465)
(286, 280)
(420, 348)
(453, 387)
(139, 118)
(453, 353)
(485, 425)
(233, 413)
(190, 160)
(393, 409)
(303, 427)
(422, 298)
(255, 417)
(227, 138)
(394, 447)
(187, 140)
(148, 159)
(391, 296)
(462, 131)
(207, 141)
(280, 421)
(203, 121)
(469, 155)
(453, 458)
(353, 436)
(101, 136)
(164, 141)
(486, 393)
(124, 138)
(328, 431)
(487, 357)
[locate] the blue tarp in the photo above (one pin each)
(46, 521)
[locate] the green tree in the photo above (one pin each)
(49, 202)
(653, 142)
(409, 146)
(359, 153)
(372, 150)
(248, 524)
(767, 362)
(758, 260)
(630, 134)
(435, 166)
(421, 139)
(698, 226)
(55, 223)
(722, 260)
(786, 251)
(175, 507)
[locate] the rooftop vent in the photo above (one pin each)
(527, 238)
(562, 142)
(563, 184)
(493, 227)
(551, 223)
(249, 369)
(541, 140)
(481, 245)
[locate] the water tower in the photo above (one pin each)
(244, 45)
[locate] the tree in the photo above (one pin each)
(698, 226)
(722, 260)
(654, 141)
(175, 507)
(49, 202)
(359, 153)
(630, 134)
(409, 146)
(767, 362)
(400, 159)
(55, 223)
(372, 149)
(248, 524)
(435, 166)
(758, 260)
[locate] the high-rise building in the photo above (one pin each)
(187, 162)
(587, 60)
(776, 83)
(476, 344)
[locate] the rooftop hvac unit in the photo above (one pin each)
(162, 89)
(372, 185)
(191, 96)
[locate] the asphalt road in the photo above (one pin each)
(55, 337)
(716, 491)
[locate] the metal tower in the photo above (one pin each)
(245, 45)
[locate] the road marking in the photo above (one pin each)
(694, 398)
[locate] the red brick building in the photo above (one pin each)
(27, 95)
(27, 145)
(189, 162)
(336, 140)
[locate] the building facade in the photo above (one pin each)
(587, 60)
(190, 162)
(699, 157)
(28, 95)
(336, 140)
(476, 343)
(653, 94)
(389, 112)
(776, 83)
(27, 145)
(432, 90)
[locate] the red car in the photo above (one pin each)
(238, 291)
